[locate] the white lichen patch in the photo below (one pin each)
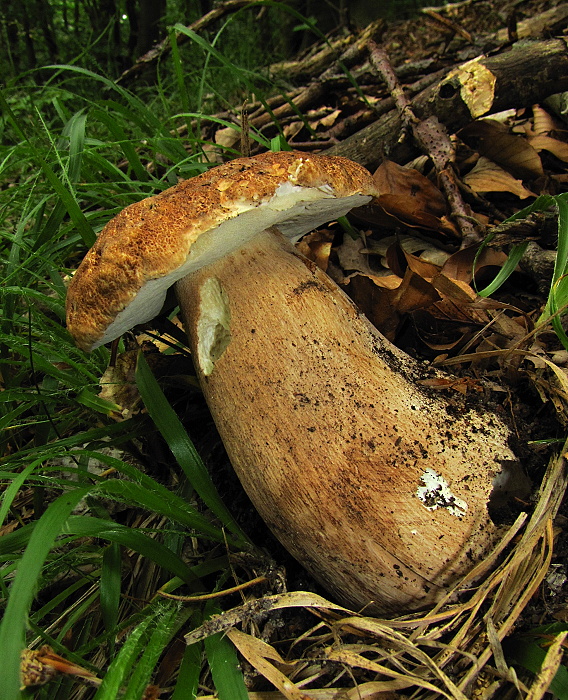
(436, 493)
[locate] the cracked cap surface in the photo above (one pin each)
(150, 244)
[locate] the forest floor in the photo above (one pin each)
(457, 265)
(398, 238)
(410, 238)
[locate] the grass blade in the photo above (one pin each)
(506, 271)
(181, 446)
(110, 585)
(189, 672)
(84, 526)
(162, 502)
(224, 665)
(126, 660)
(66, 197)
(146, 665)
(13, 625)
(15, 485)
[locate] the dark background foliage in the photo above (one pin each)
(109, 35)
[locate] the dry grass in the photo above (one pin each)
(453, 650)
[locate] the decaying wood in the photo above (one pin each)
(550, 22)
(318, 86)
(282, 104)
(546, 59)
(447, 24)
(314, 63)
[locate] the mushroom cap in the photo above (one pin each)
(124, 278)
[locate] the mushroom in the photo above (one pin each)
(381, 488)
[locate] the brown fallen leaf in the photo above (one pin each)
(511, 151)
(457, 303)
(414, 293)
(487, 176)
(421, 267)
(118, 385)
(351, 256)
(425, 249)
(261, 607)
(261, 655)
(392, 178)
(554, 146)
(543, 123)
(460, 265)
(316, 246)
(400, 207)
(228, 136)
(373, 296)
(327, 120)
(411, 198)
(385, 299)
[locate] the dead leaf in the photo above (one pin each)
(261, 606)
(38, 667)
(373, 296)
(459, 265)
(351, 257)
(118, 385)
(395, 179)
(227, 136)
(494, 141)
(259, 654)
(445, 346)
(420, 266)
(400, 207)
(429, 251)
(291, 130)
(384, 298)
(414, 293)
(395, 259)
(457, 290)
(330, 119)
(351, 658)
(543, 123)
(554, 146)
(457, 302)
(316, 246)
(411, 198)
(487, 176)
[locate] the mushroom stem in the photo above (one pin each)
(379, 487)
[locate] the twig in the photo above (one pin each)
(318, 86)
(432, 137)
(209, 596)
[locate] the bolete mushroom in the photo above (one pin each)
(380, 487)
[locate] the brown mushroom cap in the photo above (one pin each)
(151, 244)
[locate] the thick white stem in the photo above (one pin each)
(378, 486)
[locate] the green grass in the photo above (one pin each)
(72, 159)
